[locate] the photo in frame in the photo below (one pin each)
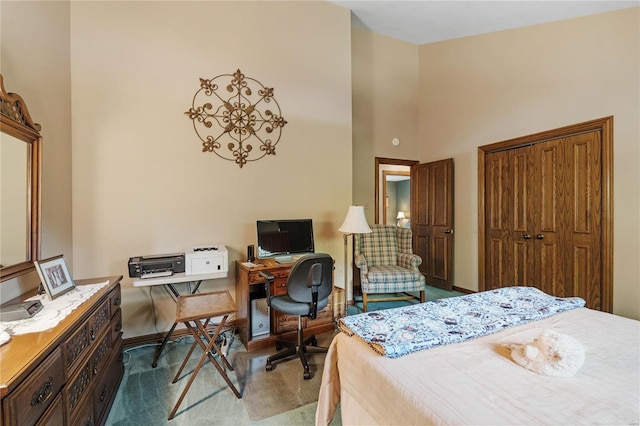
(55, 276)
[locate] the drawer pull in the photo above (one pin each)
(116, 301)
(42, 394)
(93, 334)
(103, 394)
(119, 326)
(90, 421)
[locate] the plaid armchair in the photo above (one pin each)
(387, 264)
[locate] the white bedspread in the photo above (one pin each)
(476, 382)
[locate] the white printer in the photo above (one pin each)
(207, 259)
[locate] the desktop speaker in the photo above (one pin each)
(260, 324)
(251, 253)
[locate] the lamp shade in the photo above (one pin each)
(355, 222)
(400, 215)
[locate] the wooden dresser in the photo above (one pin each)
(67, 375)
(250, 286)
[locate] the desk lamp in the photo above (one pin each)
(354, 223)
(400, 217)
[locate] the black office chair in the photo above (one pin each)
(308, 289)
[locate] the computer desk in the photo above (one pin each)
(170, 282)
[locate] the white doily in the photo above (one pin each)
(53, 311)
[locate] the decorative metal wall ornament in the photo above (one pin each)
(242, 118)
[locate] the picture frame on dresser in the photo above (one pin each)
(55, 276)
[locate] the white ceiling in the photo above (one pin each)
(429, 21)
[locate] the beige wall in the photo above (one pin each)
(142, 184)
(488, 88)
(385, 106)
(34, 61)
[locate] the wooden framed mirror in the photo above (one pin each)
(20, 168)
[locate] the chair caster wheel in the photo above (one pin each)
(268, 367)
(314, 342)
(307, 375)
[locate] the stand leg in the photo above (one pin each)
(154, 364)
(175, 292)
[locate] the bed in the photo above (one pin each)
(476, 380)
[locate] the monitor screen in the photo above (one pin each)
(284, 237)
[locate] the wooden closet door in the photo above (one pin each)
(550, 215)
(582, 226)
(543, 218)
(509, 218)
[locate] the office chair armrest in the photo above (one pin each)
(409, 261)
(267, 284)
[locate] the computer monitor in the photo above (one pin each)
(284, 238)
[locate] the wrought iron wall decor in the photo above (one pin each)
(237, 119)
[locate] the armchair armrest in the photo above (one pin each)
(361, 262)
(409, 261)
(267, 284)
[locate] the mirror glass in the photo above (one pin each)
(397, 198)
(20, 153)
(14, 223)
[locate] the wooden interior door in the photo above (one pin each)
(432, 220)
(546, 213)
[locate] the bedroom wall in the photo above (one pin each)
(34, 61)
(488, 88)
(385, 106)
(142, 184)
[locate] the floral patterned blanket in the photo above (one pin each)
(401, 331)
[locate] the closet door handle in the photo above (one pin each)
(448, 231)
(540, 236)
(526, 236)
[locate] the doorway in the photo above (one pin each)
(393, 178)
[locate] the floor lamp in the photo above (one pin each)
(354, 223)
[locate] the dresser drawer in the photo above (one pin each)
(54, 415)
(116, 326)
(83, 415)
(76, 346)
(115, 299)
(107, 383)
(100, 355)
(33, 396)
(76, 390)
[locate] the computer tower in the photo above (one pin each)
(260, 324)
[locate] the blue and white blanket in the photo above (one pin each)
(401, 331)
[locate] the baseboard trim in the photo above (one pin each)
(152, 339)
(157, 338)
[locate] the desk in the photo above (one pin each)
(170, 282)
(250, 285)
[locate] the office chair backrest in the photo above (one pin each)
(313, 270)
